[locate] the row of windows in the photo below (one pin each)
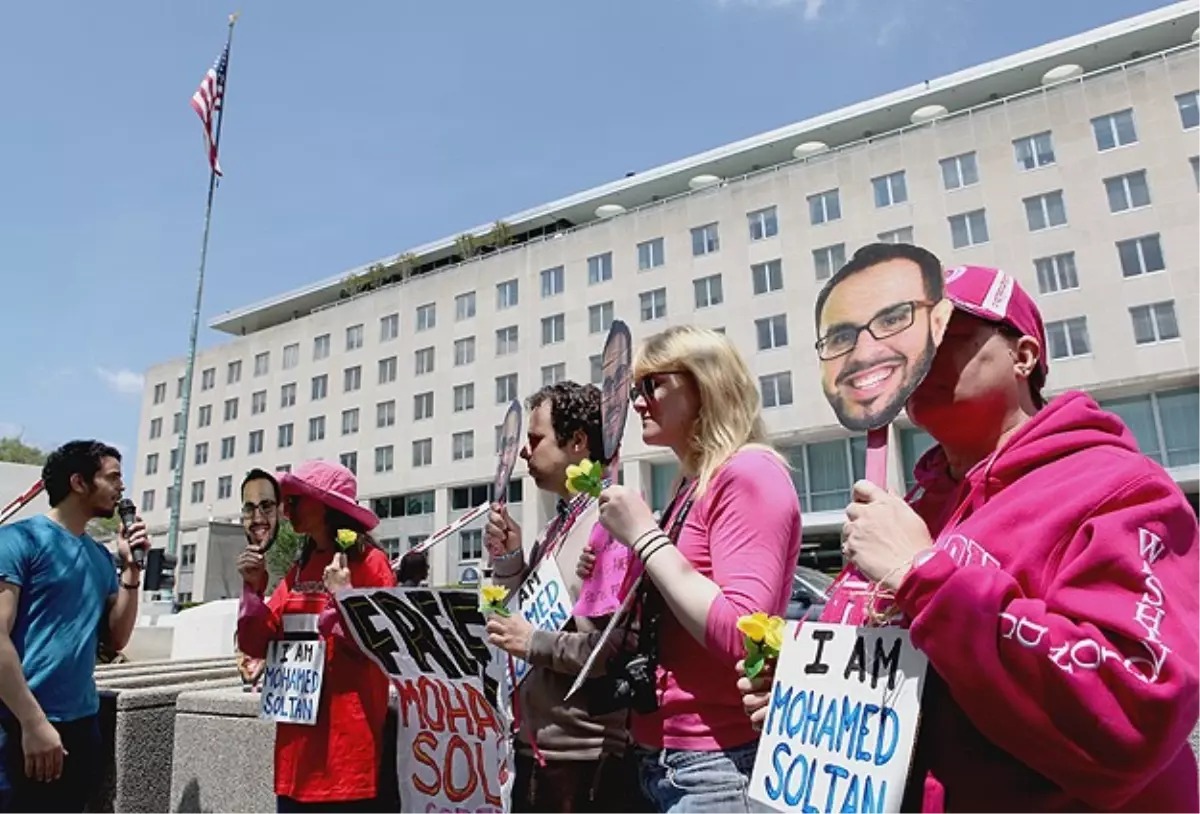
(1153, 322)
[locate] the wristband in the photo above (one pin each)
(134, 587)
(649, 554)
(643, 536)
(507, 555)
(641, 549)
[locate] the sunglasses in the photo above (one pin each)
(648, 384)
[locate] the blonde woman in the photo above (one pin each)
(727, 546)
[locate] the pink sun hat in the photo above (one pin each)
(333, 485)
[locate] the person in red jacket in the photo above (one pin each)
(1046, 568)
(333, 765)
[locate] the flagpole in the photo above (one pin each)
(181, 454)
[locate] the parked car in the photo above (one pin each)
(809, 589)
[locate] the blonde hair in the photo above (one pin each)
(730, 415)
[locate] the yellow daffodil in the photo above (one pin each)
(774, 635)
(754, 626)
(764, 640)
(493, 598)
(586, 476)
(346, 538)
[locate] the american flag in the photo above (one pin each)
(207, 101)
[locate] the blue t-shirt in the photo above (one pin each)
(65, 584)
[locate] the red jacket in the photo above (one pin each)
(1059, 617)
(338, 758)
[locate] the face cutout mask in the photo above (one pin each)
(260, 514)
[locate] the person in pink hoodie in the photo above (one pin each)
(1046, 568)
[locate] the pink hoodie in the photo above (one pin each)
(1060, 620)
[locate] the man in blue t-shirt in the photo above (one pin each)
(59, 592)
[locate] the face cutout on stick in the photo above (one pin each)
(617, 367)
(880, 320)
(510, 445)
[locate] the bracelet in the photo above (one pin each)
(507, 555)
(643, 536)
(665, 544)
(641, 549)
(134, 587)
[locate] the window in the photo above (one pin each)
(552, 281)
(258, 402)
(1068, 337)
(285, 436)
(506, 341)
(350, 461)
(179, 388)
(764, 223)
(650, 254)
(767, 276)
(155, 428)
(205, 417)
(772, 332)
(320, 387)
(160, 392)
(228, 447)
(385, 414)
(1140, 255)
(385, 459)
(354, 337)
(423, 361)
(959, 171)
(350, 421)
(470, 545)
(291, 356)
(829, 259)
(387, 370)
(262, 363)
(599, 268)
(600, 317)
(506, 388)
(708, 291)
(776, 389)
(653, 304)
(890, 189)
(507, 295)
(464, 351)
(389, 327)
(1164, 424)
(152, 464)
(705, 240)
(287, 395)
(256, 442)
(201, 453)
(177, 420)
(824, 473)
(1114, 130)
(968, 229)
(233, 372)
(422, 452)
(320, 347)
(1195, 162)
(1034, 151)
(283, 468)
(553, 374)
(1189, 114)
(422, 406)
(1056, 273)
(390, 546)
(1044, 211)
(463, 445)
(1129, 191)
(596, 367)
(824, 207)
(1154, 323)
(231, 410)
(208, 379)
(464, 306)
(554, 329)
(464, 397)
(902, 235)
(426, 317)
(148, 500)
(316, 428)
(352, 379)
(197, 493)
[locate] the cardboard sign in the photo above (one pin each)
(600, 593)
(453, 751)
(291, 682)
(842, 720)
(545, 603)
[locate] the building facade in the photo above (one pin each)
(1072, 166)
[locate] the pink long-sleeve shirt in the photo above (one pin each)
(743, 533)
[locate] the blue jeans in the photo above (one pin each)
(678, 781)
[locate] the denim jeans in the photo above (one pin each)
(678, 781)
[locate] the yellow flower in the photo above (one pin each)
(586, 476)
(346, 538)
(494, 594)
(754, 626)
(774, 633)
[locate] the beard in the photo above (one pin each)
(877, 416)
(264, 544)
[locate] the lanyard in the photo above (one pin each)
(558, 529)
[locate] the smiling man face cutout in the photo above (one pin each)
(879, 321)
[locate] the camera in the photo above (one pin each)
(627, 684)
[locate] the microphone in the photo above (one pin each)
(127, 511)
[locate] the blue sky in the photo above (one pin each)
(359, 129)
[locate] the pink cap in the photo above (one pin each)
(995, 296)
(331, 484)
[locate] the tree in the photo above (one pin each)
(501, 234)
(103, 528)
(283, 553)
(15, 451)
(406, 264)
(467, 246)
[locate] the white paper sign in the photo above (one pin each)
(291, 682)
(842, 721)
(545, 603)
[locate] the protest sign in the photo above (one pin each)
(545, 603)
(453, 751)
(600, 593)
(842, 720)
(291, 688)
(506, 455)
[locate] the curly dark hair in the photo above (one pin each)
(82, 458)
(573, 408)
